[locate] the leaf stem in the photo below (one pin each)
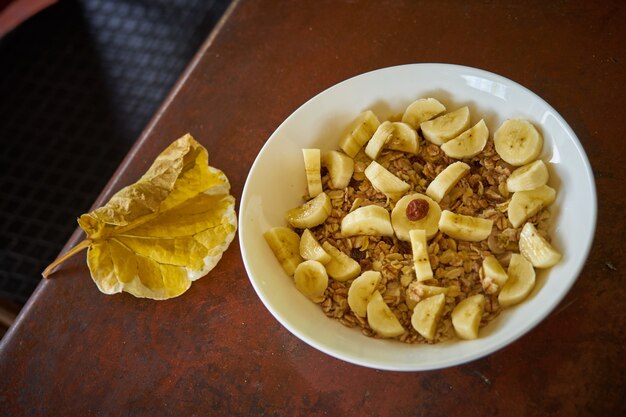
(81, 246)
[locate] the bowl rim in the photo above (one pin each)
(462, 359)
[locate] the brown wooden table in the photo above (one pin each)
(217, 351)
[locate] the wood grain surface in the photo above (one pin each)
(216, 350)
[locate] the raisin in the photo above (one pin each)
(405, 248)
(357, 254)
(417, 209)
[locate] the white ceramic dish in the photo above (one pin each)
(276, 183)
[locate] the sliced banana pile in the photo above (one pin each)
(412, 213)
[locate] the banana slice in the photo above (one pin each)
(421, 260)
(359, 132)
(285, 243)
(520, 283)
(466, 316)
(536, 248)
(311, 249)
(426, 315)
(422, 110)
(446, 127)
(429, 222)
(469, 143)
(446, 180)
(340, 169)
(361, 291)
(404, 139)
(462, 227)
(379, 139)
(385, 182)
(418, 291)
(371, 220)
(381, 319)
(311, 279)
(393, 135)
(494, 272)
(525, 204)
(518, 142)
(312, 166)
(312, 213)
(341, 267)
(528, 177)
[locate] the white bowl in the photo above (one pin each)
(276, 183)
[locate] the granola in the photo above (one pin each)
(456, 264)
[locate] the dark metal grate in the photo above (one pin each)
(78, 83)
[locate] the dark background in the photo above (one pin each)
(78, 83)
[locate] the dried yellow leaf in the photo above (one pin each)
(156, 236)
